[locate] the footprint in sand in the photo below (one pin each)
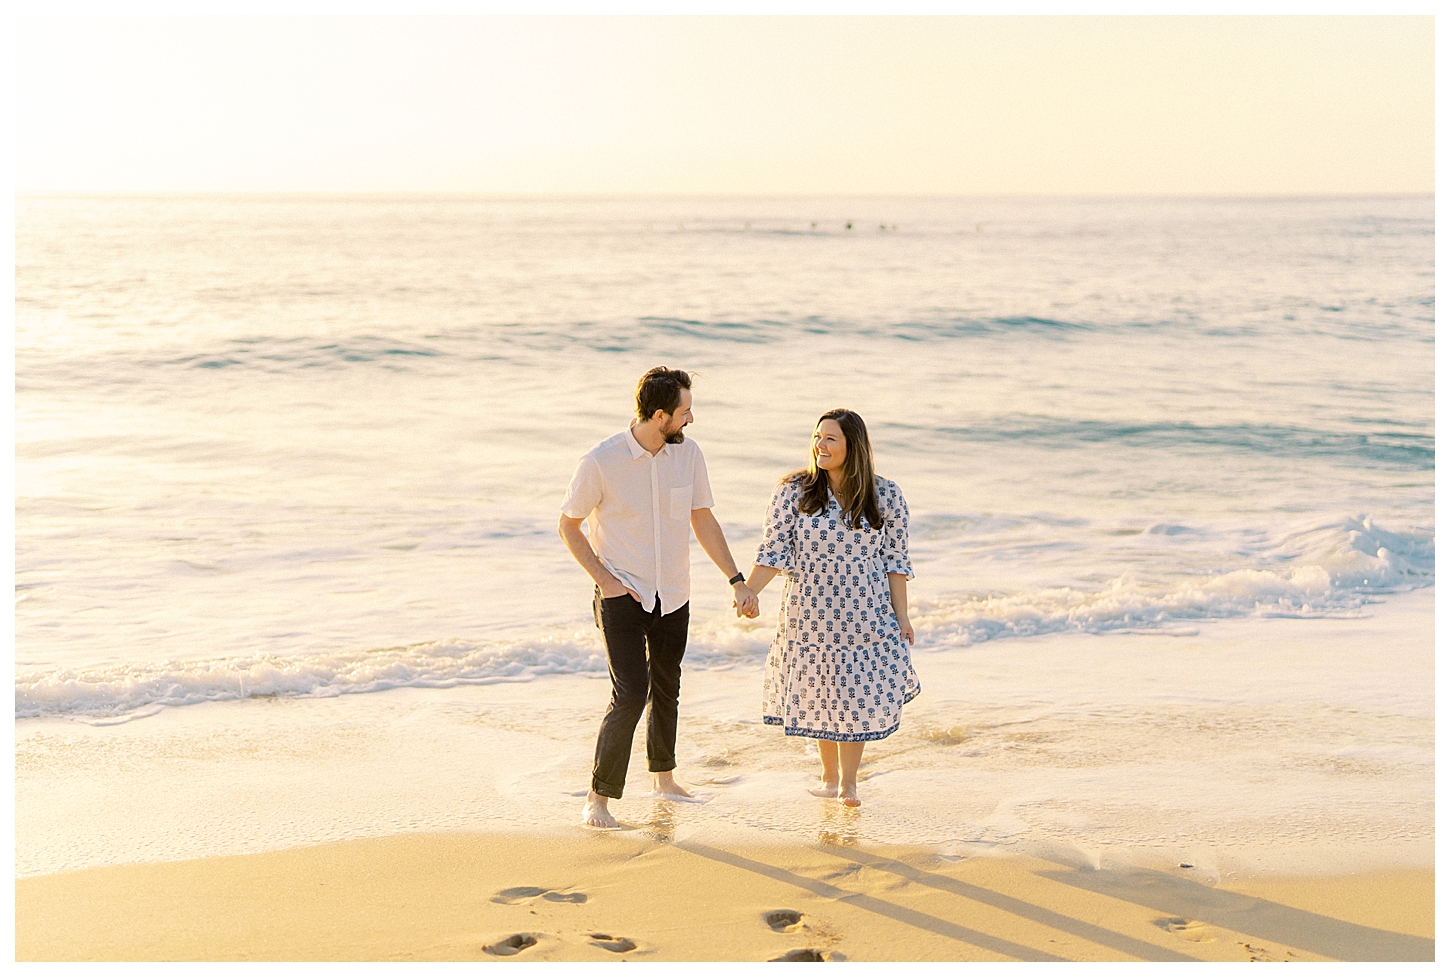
(850, 870)
(1189, 929)
(1259, 954)
(572, 897)
(510, 945)
(785, 921)
(803, 955)
(523, 893)
(614, 944)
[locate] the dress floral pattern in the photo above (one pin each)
(839, 668)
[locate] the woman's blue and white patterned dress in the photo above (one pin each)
(839, 668)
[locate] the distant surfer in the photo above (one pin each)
(643, 490)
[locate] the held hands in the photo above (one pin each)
(747, 604)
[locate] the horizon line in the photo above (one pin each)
(695, 195)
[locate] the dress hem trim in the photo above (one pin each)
(818, 734)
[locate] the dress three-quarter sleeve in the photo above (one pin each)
(894, 535)
(777, 543)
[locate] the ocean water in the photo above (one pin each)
(285, 449)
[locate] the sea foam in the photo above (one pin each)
(1340, 567)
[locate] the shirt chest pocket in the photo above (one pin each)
(680, 501)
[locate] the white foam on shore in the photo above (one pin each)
(1338, 570)
(1261, 744)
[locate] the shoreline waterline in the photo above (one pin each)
(1251, 747)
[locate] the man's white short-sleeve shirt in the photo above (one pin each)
(638, 506)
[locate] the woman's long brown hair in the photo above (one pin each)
(858, 477)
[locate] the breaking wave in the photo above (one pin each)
(1329, 570)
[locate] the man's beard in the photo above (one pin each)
(677, 437)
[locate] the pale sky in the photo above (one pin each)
(760, 105)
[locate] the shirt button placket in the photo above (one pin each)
(654, 485)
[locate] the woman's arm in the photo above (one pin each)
(894, 555)
(777, 545)
(760, 576)
(897, 582)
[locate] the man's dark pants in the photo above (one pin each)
(645, 650)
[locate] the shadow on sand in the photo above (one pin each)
(1322, 935)
(900, 914)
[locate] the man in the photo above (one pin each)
(642, 491)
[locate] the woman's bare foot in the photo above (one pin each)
(596, 812)
(666, 786)
(825, 790)
(848, 797)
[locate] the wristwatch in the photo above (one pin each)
(738, 578)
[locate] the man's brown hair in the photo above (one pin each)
(659, 389)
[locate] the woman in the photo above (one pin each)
(839, 670)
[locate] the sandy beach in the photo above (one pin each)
(635, 894)
(1202, 828)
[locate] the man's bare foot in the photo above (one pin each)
(826, 789)
(596, 812)
(666, 786)
(848, 797)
